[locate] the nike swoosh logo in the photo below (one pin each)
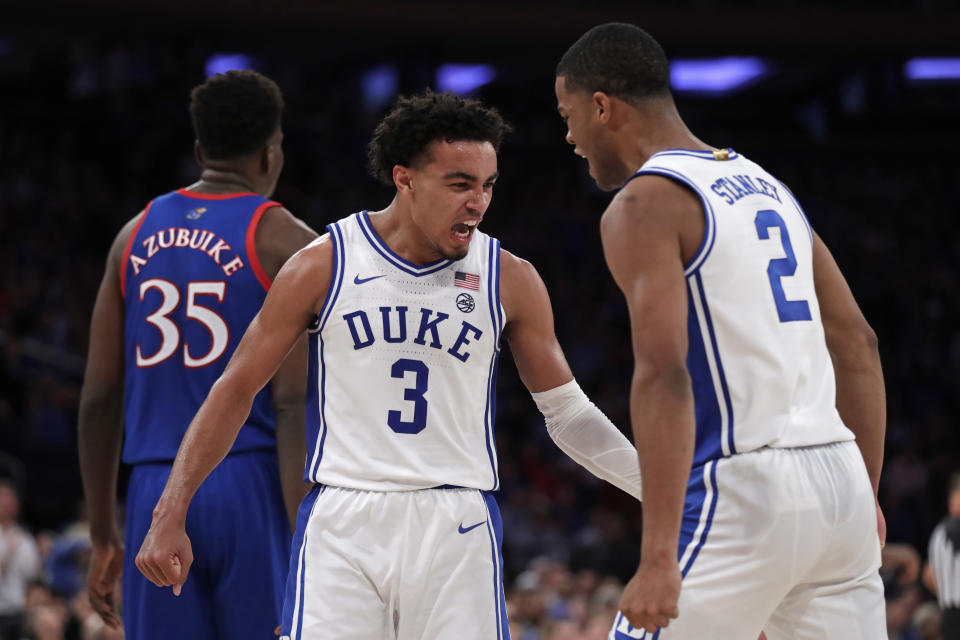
(358, 280)
(461, 528)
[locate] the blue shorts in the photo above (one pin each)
(240, 536)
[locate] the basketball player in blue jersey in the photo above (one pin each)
(406, 308)
(757, 399)
(183, 280)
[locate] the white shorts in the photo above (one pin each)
(783, 540)
(402, 564)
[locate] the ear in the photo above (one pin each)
(198, 153)
(601, 105)
(403, 179)
(268, 158)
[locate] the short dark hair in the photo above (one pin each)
(235, 113)
(620, 59)
(415, 121)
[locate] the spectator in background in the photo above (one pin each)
(19, 561)
(942, 573)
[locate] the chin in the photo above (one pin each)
(455, 254)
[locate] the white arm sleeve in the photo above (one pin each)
(585, 434)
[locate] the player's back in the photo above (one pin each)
(191, 283)
(761, 372)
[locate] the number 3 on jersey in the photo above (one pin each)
(170, 332)
(788, 310)
(413, 394)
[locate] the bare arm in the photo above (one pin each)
(100, 430)
(291, 305)
(574, 423)
(643, 233)
(861, 398)
(529, 326)
(929, 578)
(278, 237)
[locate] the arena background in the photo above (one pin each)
(94, 123)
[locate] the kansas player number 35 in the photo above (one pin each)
(170, 332)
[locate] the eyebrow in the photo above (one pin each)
(459, 174)
(466, 176)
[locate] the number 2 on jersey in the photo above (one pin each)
(788, 310)
(413, 394)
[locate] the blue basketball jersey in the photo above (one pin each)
(191, 283)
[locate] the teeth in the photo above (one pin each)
(471, 223)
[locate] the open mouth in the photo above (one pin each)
(463, 230)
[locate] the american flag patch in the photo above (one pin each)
(466, 280)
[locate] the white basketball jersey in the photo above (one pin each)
(761, 372)
(403, 366)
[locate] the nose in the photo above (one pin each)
(569, 138)
(478, 202)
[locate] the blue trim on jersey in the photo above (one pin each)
(695, 153)
(716, 357)
(493, 298)
(706, 405)
(313, 415)
(381, 247)
(336, 280)
(803, 214)
(710, 220)
(496, 281)
(616, 634)
(695, 501)
(318, 453)
(292, 599)
(319, 435)
(712, 509)
(495, 531)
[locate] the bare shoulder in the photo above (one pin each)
(279, 235)
(305, 278)
(122, 239)
(652, 212)
(314, 258)
(520, 284)
(280, 221)
(651, 199)
(513, 266)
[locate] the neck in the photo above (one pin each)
(396, 228)
(222, 180)
(659, 129)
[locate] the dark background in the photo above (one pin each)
(94, 123)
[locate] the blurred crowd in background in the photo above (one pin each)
(92, 128)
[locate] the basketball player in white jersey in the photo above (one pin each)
(757, 399)
(406, 308)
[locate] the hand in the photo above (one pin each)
(106, 567)
(650, 598)
(166, 555)
(881, 526)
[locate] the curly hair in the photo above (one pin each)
(235, 113)
(620, 59)
(414, 122)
